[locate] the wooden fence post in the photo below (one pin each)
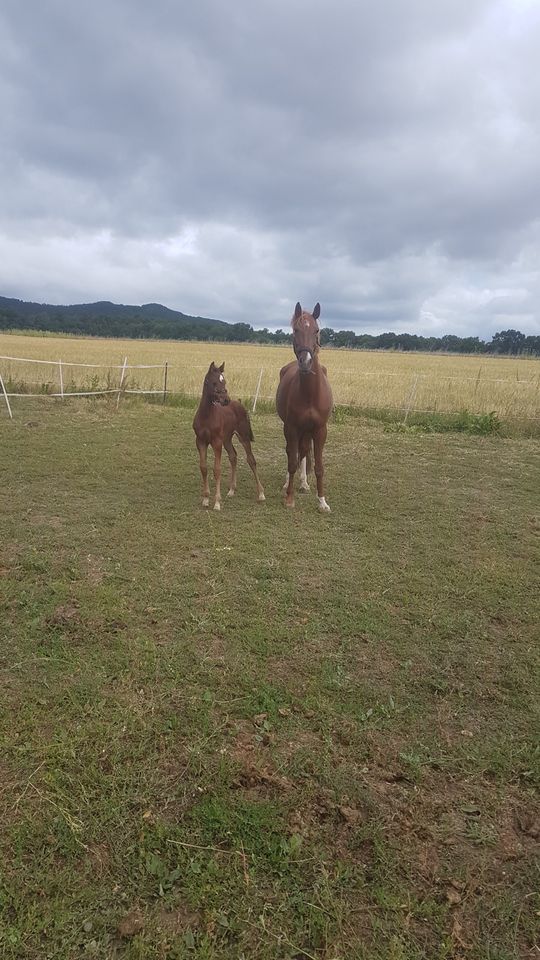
(165, 371)
(411, 398)
(61, 379)
(257, 390)
(121, 383)
(6, 398)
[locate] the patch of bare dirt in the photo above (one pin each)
(255, 779)
(65, 616)
(178, 919)
(130, 925)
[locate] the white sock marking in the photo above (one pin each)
(323, 505)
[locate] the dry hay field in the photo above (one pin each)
(369, 379)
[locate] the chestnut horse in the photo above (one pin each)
(304, 403)
(217, 420)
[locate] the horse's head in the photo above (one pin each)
(305, 336)
(215, 387)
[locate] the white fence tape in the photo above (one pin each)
(166, 367)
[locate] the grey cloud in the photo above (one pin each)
(378, 158)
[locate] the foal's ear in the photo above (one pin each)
(297, 311)
(316, 311)
(222, 367)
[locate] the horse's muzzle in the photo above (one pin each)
(305, 361)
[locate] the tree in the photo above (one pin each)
(508, 341)
(327, 336)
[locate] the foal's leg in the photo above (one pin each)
(203, 450)
(292, 461)
(217, 447)
(318, 444)
(253, 466)
(228, 444)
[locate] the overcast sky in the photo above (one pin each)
(228, 159)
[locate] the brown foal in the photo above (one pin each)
(304, 403)
(217, 420)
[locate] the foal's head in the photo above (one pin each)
(215, 388)
(305, 336)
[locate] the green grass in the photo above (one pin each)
(262, 733)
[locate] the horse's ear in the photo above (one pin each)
(297, 311)
(222, 367)
(316, 311)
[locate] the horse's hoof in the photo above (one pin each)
(323, 506)
(231, 493)
(289, 503)
(206, 502)
(304, 488)
(261, 497)
(217, 505)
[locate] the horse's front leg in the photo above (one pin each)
(319, 441)
(203, 450)
(217, 447)
(292, 464)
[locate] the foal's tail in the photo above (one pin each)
(243, 424)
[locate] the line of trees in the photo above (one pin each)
(153, 321)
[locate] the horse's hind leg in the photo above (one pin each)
(318, 445)
(305, 446)
(228, 444)
(253, 466)
(304, 485)
(203, 450)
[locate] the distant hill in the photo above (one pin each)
(108, 319)
(154, 321)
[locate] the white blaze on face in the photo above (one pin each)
(221, 377)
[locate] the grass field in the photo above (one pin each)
(368, 379)
(265, 734)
